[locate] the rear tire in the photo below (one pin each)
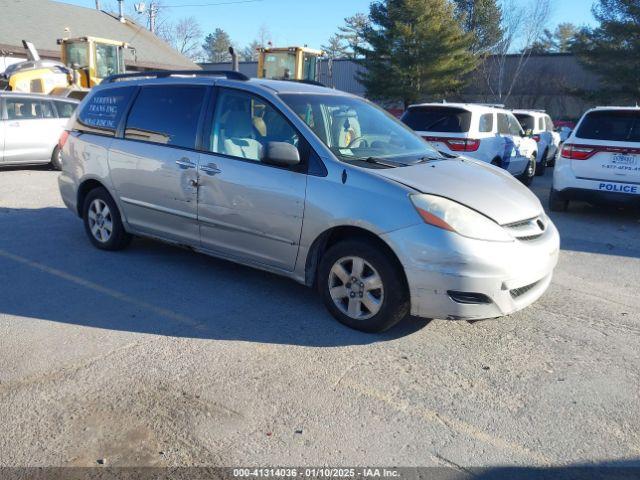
(362, 287)
(557, 203)
(542, 166)
(102, 221)
(526, 177)
(56, 159)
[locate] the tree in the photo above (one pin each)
(216, 46)
(522, 26)
(353, 33)
(612, 49)
(184, 36)
(482, 19)
(250, 52)
(335, 47)
(414, 51)
(558, 41)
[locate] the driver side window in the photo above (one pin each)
(244, 124)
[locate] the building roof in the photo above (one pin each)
(42, 22)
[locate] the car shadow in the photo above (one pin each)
(613, 470)
(50, 271)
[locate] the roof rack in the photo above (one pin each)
(230, 74)
(307, 81)
(494, 105)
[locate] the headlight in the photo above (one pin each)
(449, 215)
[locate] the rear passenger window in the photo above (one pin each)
(23, 109)
(47, 110)
(104, 110)
(65, 109)
(166, 114)
(486, 122)
(503, 124)
(541, 126)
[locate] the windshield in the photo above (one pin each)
(438, 119)
(355, 129)
(77, 54)
(279, 65)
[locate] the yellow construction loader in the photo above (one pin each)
(85, 62)
(289, 63)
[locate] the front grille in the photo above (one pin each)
(527, 230)
(529, 238)
(518, 292)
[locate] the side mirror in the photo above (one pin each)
(282, 154)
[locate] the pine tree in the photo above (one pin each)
(482, 19)
(216, 46)
(352, 33)
(558, 41)
(334, 47)
(250, 52)
(612, 49)
(416, 50)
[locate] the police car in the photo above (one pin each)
(600, 161)
(484, 132)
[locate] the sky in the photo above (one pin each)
(300, 22)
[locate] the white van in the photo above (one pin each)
(30, 126)
(483, 132)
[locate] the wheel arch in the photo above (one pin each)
(83, 190)
(333, 235)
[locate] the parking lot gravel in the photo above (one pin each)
(158, 356)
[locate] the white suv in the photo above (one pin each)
(483, 132)
(600, 161)
(539, 126)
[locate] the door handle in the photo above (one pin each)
(210, 169)
(185, 163)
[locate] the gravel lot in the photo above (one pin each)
(158, 356)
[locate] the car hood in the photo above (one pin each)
(478, 185)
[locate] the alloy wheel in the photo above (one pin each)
(356, 287)
(100, 220)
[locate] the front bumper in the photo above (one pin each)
(510, 276)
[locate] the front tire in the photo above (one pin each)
(56, 159)
(529, 172)
(362, 287)
(102, 221)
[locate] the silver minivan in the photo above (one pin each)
(30, 126)
(312, 183)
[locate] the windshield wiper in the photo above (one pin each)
(386, 164)
(429, 158)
